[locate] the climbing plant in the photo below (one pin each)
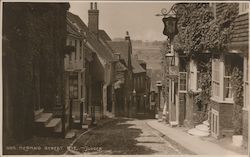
(200, 31)
(237, 88)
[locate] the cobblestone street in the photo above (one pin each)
(126, 136)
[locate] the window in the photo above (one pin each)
(73, 87)
(183, 81)
(75, 49)
(227, 78)
(80, 49)
(70, 56)
(243, 8)
(216, 77)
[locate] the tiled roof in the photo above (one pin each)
(140, 61)
(137, 68)
(122, 47)
(104, 35)
(72, 30)
(100, 49)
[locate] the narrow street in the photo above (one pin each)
(126, 137)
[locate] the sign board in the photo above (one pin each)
(173, 72)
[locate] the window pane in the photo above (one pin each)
(227, 87)
(183, 81)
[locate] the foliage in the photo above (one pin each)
(237, 88)
(203, 98)
(200, 31)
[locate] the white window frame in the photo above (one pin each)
(230, 85)
(243, 8)
(216, 82)
(186, 79)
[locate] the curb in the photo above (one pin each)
(172, 141)
(73, 152)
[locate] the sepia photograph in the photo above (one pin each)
(125, 77)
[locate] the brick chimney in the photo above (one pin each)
(93, 23)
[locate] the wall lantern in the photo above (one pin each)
(171, 57)
(159, 85)
(134, 92)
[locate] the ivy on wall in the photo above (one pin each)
(200, 31)
(237, 88)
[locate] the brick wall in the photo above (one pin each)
(245, 128)
(225, 117)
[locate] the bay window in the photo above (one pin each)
(227, 78)
(216, 77)
(222, 68)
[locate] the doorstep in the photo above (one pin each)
(194, 144)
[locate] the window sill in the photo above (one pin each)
(245, 109)
(222, 101)
(242, 13)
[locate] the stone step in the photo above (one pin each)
(44, 118)
(196, 132)
(55, 125)
(84, 126)
(206, 123)
(38, 113)
(173, 123)
(53, 122)
(202, 127)
(70, 134)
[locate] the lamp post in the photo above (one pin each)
(145, 96)
(170, 19)
(134, 102)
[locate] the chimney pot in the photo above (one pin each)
(91, 5)
(95, 5)
(127, 37)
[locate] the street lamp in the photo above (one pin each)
(134, 101)
(145, 96)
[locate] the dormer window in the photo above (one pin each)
(243, 8)
(117, 56)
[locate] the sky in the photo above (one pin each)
(118, 17)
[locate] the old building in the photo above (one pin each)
(33, 70)
(222, 70)
(75, 71)
(137, 84)
(191, 76)
(104, 72)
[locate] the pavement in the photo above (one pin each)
(125, 136)
(195, 144)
